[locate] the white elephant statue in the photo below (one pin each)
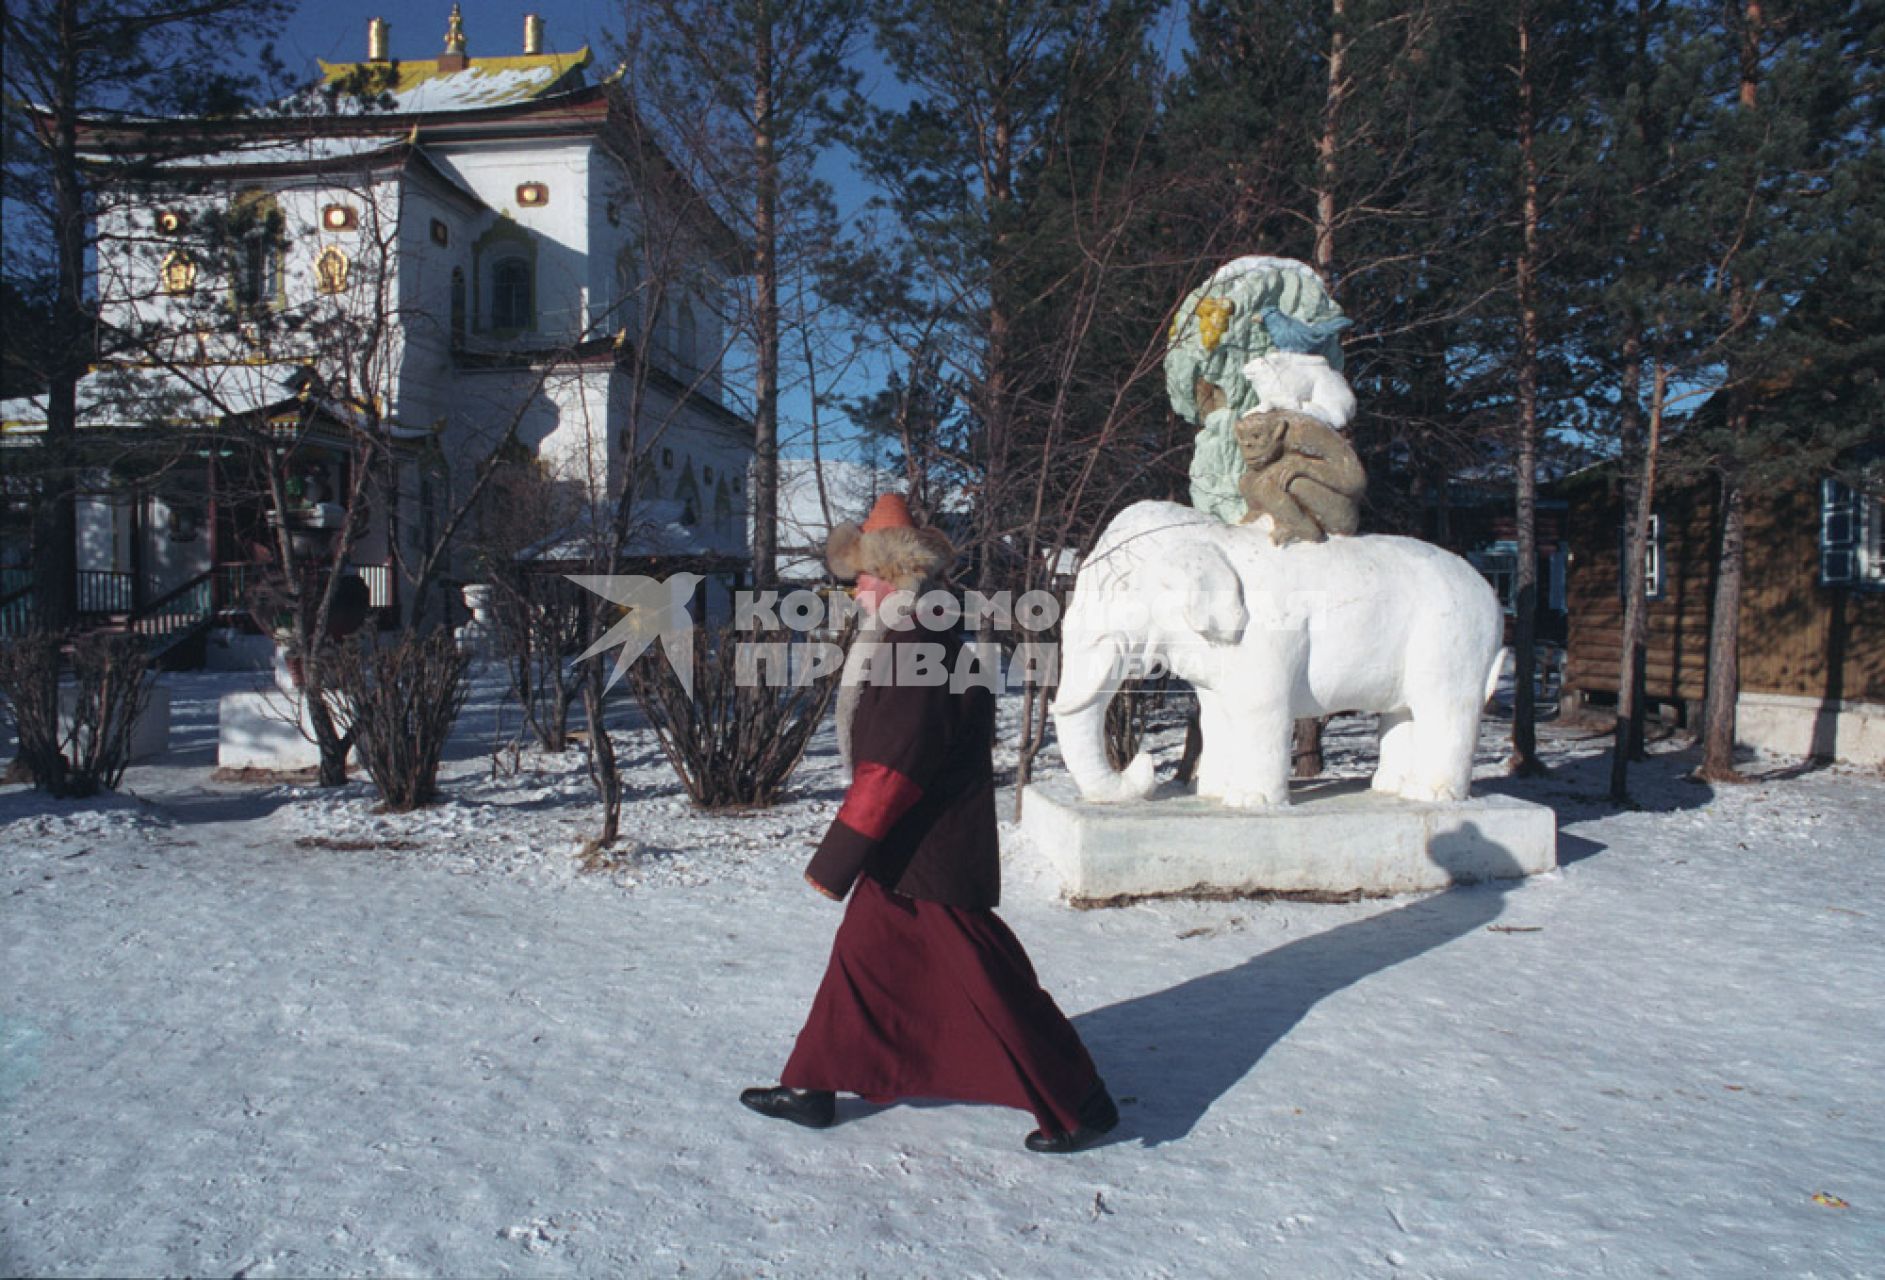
(1267, 634)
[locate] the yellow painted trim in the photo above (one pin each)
(411, 73)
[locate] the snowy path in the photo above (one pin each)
(433, 1049)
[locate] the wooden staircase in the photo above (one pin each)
(166, 627)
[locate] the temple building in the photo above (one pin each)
(411, 275)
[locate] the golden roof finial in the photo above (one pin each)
(455, 32)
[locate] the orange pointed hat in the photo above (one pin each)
(889, 512)
(889, 545)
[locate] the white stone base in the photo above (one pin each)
(1335, 840)
(1852, 732)
(265, 731)
(150, 732)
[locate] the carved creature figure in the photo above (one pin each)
(1301, 474)
(1262, 336)
(1301, 382)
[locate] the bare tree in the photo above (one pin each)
(69, 66)
(738, 94)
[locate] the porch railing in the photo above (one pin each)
(232, 583)
(105, 596)
(105, 592)
(177, 614)
(379, 580)
(16, 609)
(229, 586)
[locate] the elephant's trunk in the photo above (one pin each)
(1082, 735)
(1090, 673)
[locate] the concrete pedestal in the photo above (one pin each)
(265, 731)
(150, 732)
(1336, 839)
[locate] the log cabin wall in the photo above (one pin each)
(1798, 638)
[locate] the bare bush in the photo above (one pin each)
(404, 699)
(736, 741)
(1125, 724)
(29, 677)
(1135, 710)
(540, 619)
(81, 753)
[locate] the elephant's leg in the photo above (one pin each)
(1396, 738)
(1214, 758)
(1445, 736)
(1258, 759)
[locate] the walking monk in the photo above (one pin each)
(927, 993)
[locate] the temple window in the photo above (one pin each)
(510, 294)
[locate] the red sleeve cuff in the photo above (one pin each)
(879, 795)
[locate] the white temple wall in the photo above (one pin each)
(554, 235)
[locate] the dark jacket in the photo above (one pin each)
(920, 814)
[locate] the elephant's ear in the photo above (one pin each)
(1209, 592)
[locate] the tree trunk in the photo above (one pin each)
(602, 763)
(1524, 759)
(1724, 632)
(996, 386)
(1724, 635)
(1193, 749)
(1639, 485)
(55, 548)
(766, 309)
(1638, 502)
(1327, 144)
(1306, 749)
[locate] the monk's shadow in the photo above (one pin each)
(1179, 1050)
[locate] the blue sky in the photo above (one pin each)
(337, 29)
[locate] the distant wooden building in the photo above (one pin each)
(1476, 520)
(1812, 614)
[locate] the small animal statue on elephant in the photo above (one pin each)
(1255, 361)
(1301, 474)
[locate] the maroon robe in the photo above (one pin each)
(927, 993)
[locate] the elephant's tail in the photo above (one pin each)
(1492, 676)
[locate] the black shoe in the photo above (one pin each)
(813, 1108)
(1098, 1117)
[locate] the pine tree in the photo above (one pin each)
(1797, 84)
(742, 90)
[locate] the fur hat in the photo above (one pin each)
(888, 545)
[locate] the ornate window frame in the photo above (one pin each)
(504, 242)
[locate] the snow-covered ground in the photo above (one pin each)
(253, 1031)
